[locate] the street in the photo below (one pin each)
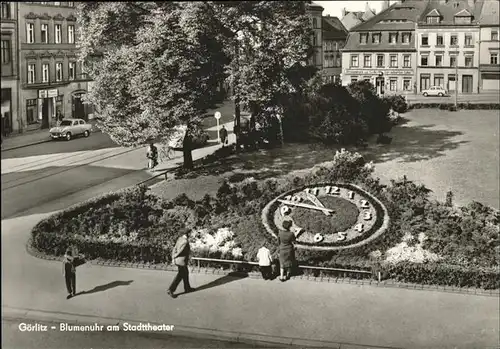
(13, 338)
(484, 97)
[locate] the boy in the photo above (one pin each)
(265, 261)
(69, 272)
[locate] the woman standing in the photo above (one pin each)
(287, 251)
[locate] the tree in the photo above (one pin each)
(155, 69)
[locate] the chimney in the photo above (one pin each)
(344, 12)
(385, 5)
(367, 7)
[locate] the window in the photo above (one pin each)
(393, 84)
(354, 60)
(406, 84)
(439, 61)
(315, 23)
(45, 33)
(354, 78)
(72, 70)
(6, 51)
(453, 61)
(5, 10)
(363, 38)
(494, 35)
(45, 73)
(376, 38)
(394, 61)
(335, 46)
(315, 42)
(439, 40)
(71, 34)
(462, 20)
(31, 73)
(493, 58)
(393, 38)
(425, 82)
(468, 61)
(59, 72)
(57, 3)
(31, 111)
(71, 4)
(30, 33)
(338, 61)
(425, 40)
(439, 80)
(367, 61)
(406, 38)
(453, 40)
(433, 19)
(468, 40)
(380, 61)
(424, 60)
(406, 61)
(57, 30)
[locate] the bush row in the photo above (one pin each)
(451, 106)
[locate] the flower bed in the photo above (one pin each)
(427, 242)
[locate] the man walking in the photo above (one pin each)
(180, 257)
(223, 135)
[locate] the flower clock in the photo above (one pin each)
(329, 216)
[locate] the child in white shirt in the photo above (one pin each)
(265, 261)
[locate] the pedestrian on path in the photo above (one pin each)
(223, 136)
(286, 250)
(180, 257)
(70, 263)
(265, 262)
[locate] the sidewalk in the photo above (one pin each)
(19, 140)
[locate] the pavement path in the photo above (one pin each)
(485, 97)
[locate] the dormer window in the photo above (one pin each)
(463, 17)
(376, 38)
(363, 38)
(393, 38)
(433, 17)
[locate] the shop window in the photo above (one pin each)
(31, 111)
(354, 78)
(439, 80)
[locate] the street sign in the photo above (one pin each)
(217, 115)
(52, 93)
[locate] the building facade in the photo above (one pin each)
(334, 37)
(350, 19)
(489, 47)
(10, 68)
(51, 80)
(315, 13)
(382, 50)
(448, 46)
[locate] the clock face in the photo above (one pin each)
(328, 216)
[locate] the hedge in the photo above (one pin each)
(451, 106)
(467, 237)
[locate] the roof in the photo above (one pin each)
(399, 16)
(333, 28)
(490, 13)
(447, 10)
(314, 6)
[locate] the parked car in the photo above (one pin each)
(69, 128)
(435, 91)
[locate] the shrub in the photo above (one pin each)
(397, 103)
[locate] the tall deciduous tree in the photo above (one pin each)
(153, 67)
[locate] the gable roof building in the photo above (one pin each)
(489, 47)
(352, 19)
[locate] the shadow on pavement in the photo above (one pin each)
(106, 287)
(235, 276)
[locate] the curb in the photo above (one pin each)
(26, 145)
(12, 313)
(256, 275)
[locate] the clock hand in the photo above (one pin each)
(315, 201)
(327, 211)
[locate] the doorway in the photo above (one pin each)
(78, 107)
(379, 84)
(47, 107)
(6, 112)
(466, 83)
(425, 82)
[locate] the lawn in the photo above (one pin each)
(444, 150)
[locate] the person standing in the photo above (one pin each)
(286, 239)
(69, 272)
(223, 135)
(265, 261)
(180, 257)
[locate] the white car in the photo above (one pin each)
(69, 128)
(435, 91)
